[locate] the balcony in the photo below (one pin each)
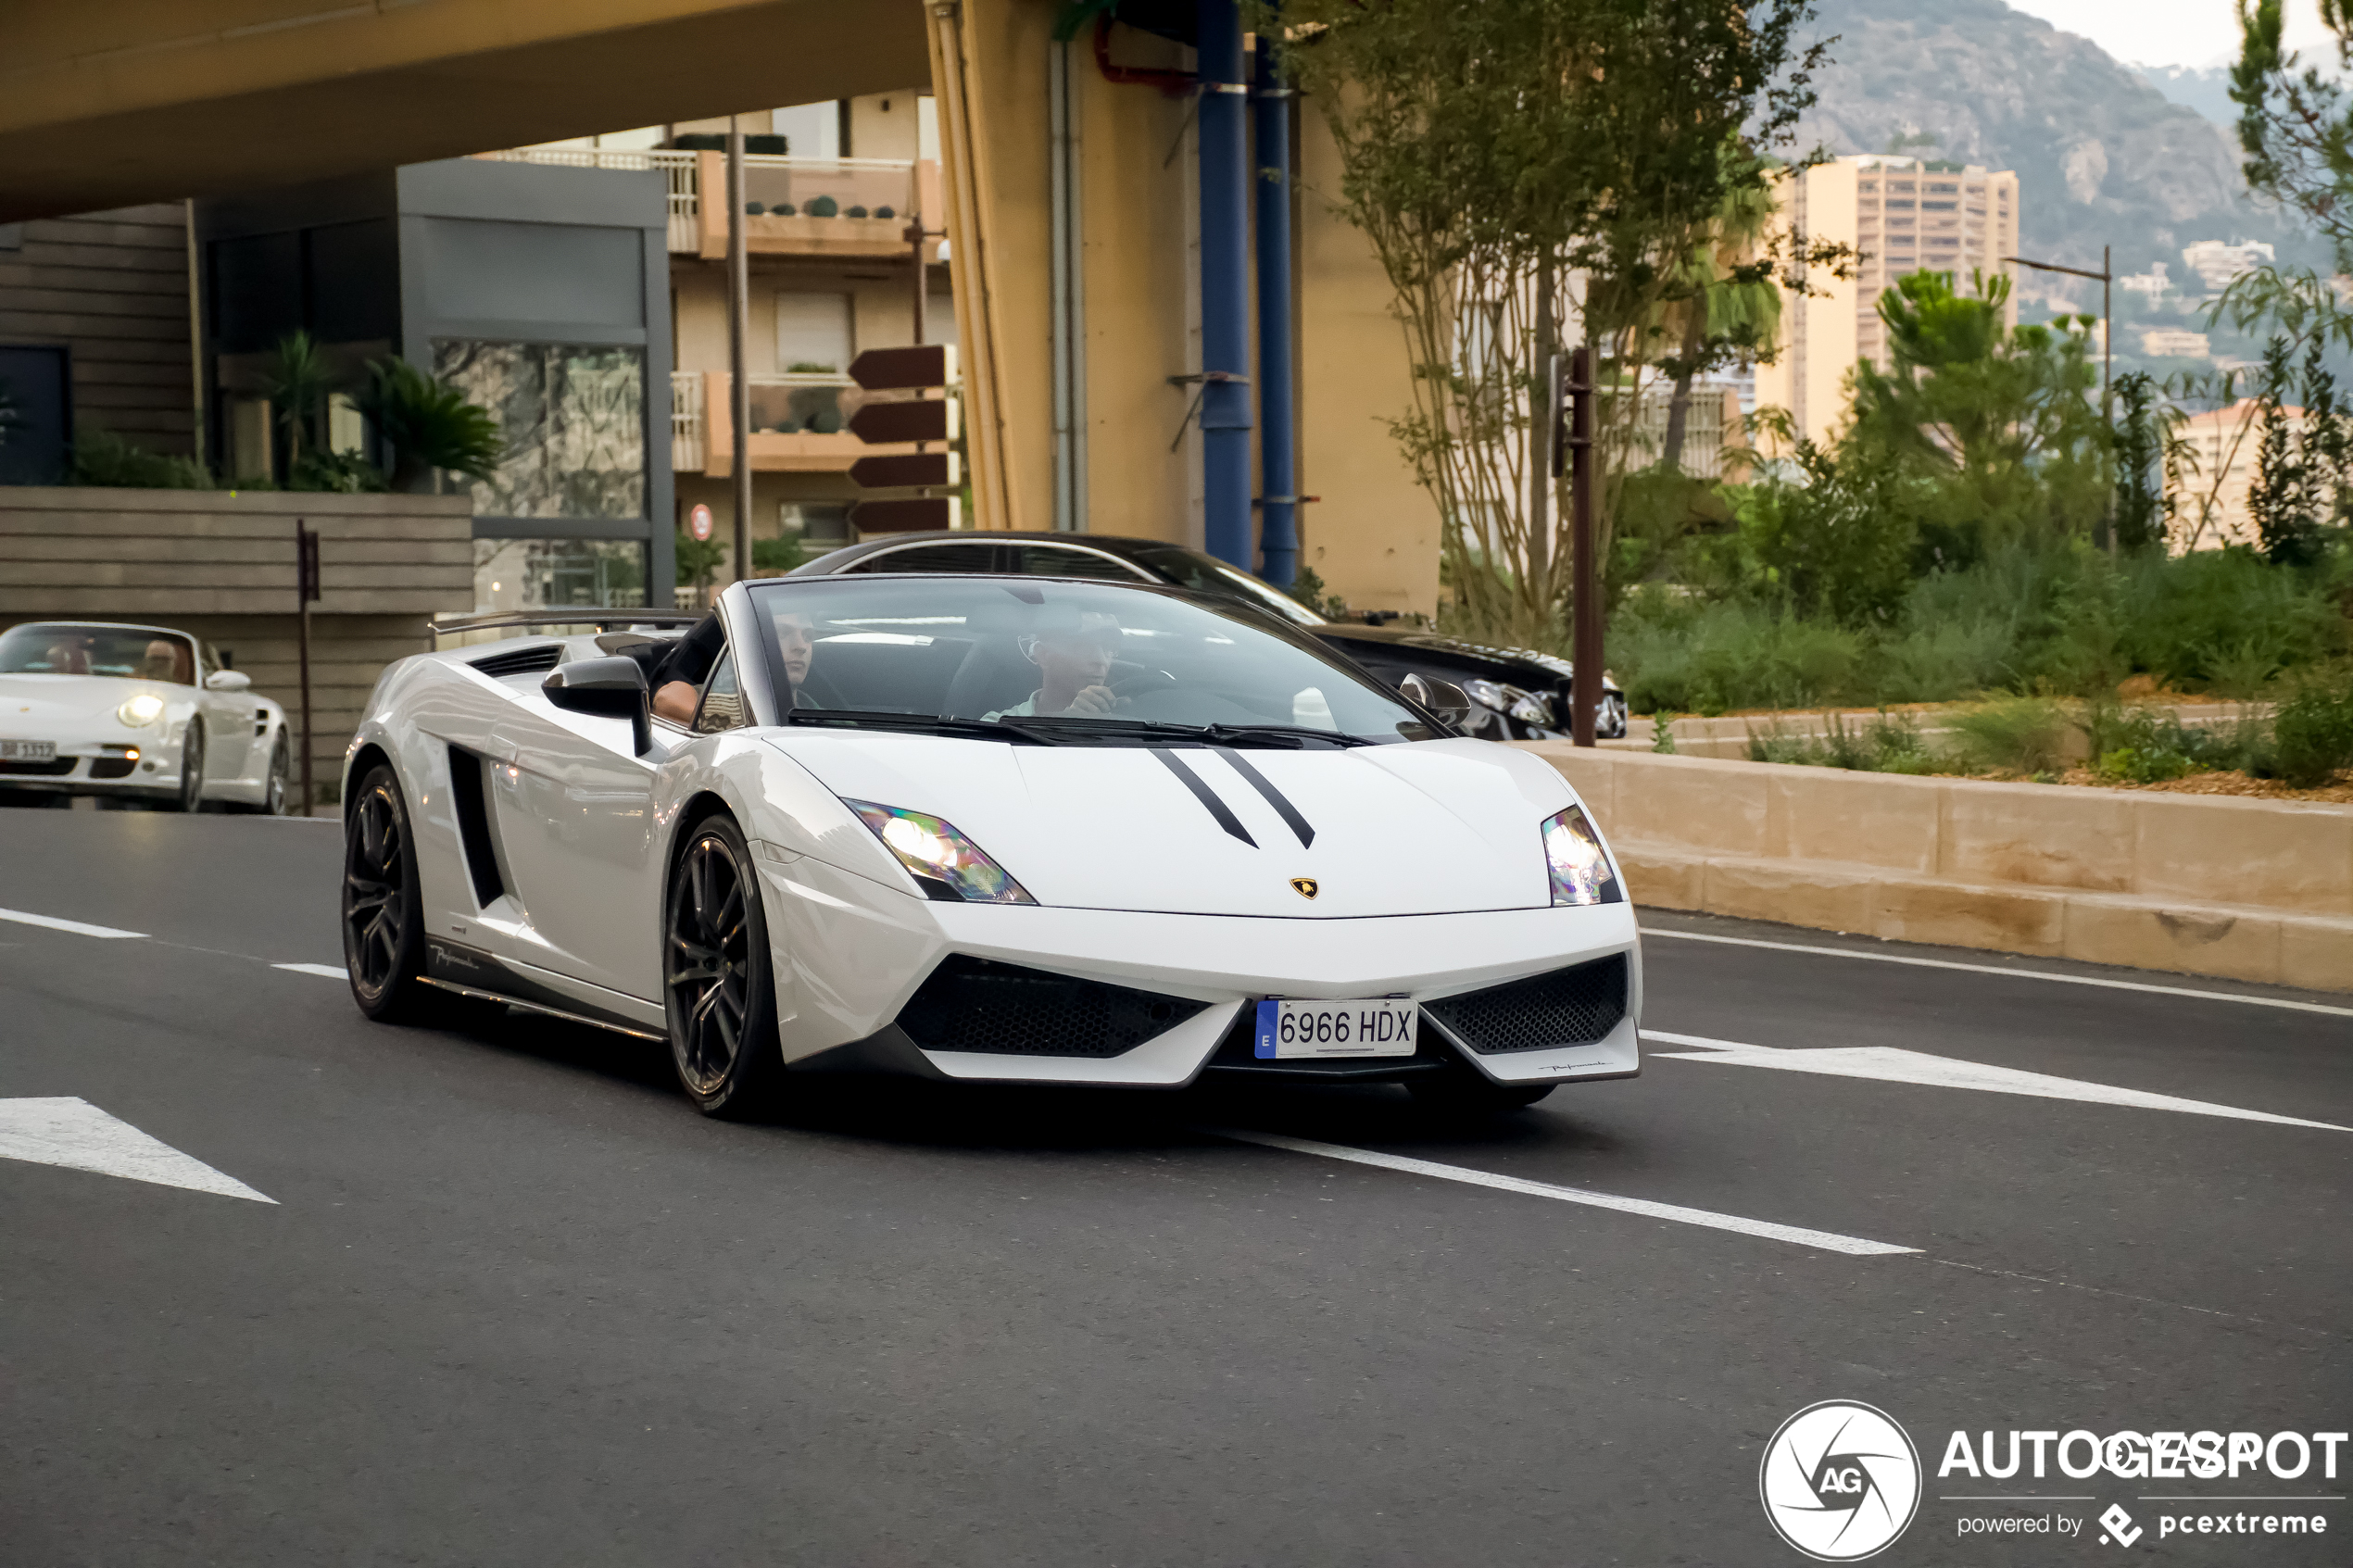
(796, 206)
(799, 424)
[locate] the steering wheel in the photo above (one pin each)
(1143, 682)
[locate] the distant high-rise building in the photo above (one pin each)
(1901, 215)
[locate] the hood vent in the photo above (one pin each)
(535, 661)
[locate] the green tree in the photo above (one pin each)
(1490, 152)
(2143, 435)
(1725, 306)
(298, 379)
(1999, 422)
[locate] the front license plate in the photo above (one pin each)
(1381, 1027)
(28, 751)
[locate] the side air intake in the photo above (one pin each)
(535, 660)
(473, 825)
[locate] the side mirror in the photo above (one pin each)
(228, 681)
(610, 688)
(1445, 699)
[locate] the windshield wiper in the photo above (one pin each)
(1288, 736)
(927, 724)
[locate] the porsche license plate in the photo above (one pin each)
(1382, 1027)
(28, 751)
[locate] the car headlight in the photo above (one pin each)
(1581, 871)
(141, 711)
(1528, 708)
(946, 864)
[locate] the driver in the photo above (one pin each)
(1073, 650)
(163, 660)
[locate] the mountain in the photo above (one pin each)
(2206, 89)
(2102, 156)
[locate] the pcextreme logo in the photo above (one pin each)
(1840, 1481)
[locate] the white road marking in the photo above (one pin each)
(1828, 1240)
(76, 1135)
(51, 922)
(1894, 1065)
(2011, 973)
(324, 971)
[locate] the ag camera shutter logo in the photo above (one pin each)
(1840, 1481)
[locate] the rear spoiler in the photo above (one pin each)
(586, 617)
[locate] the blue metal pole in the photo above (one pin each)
(1225, 269)
(1277, 433)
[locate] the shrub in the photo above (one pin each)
(2026, 734)
(345, 472)
(1709, 658)
(428, 423)
(777, 555)
(102, 457)
(2312, 733)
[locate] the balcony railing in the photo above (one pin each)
(794, 205)
(800, 423)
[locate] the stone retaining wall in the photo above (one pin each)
(2255, 890)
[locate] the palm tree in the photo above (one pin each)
(298, 379)
(1725, 306)
(429, 424)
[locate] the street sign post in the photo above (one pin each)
(908, 470)
(699, 524)
(926, 369)
(905, 369)
(905, 514)
(925, 419)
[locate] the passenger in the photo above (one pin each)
(680, 669)
(163, 662)
(1073, 654)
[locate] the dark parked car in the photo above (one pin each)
(1515, 693)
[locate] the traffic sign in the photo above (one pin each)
(912, 515)
(896, 369)
(929, 419)
(699, 522)
(914, 468)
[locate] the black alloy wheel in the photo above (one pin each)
(191, 795)
(715, 976)
(383, 926)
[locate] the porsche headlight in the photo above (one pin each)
(1528, 708)
(946, 864)
(141, 711)
(1581, 871)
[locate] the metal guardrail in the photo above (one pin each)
(843, 177)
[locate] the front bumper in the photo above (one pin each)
(101, 769)
(849, 953)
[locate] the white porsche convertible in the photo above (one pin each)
(1005, 829)
(135, 713)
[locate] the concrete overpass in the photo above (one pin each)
(1079, 414)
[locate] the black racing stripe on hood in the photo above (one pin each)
(1275, 798)
(1206, 795)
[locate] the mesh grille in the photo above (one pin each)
(1569, 1006)
(520, 661)
(112, 768)
(975, 1005)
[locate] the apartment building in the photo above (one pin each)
(830, 192)
(2210, 500)
(1901, 215)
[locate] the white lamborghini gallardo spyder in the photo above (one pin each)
(1003, 829)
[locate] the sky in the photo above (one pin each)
(2172, 33)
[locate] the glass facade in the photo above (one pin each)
(574, 421)
(537, 573)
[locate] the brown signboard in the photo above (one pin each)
(893, 370)
(930, 419)
(913, 515)
(914, 468)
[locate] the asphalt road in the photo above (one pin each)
(516, 1303)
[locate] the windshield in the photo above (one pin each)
(1062, 657)
(133, 651)
(1207, 574)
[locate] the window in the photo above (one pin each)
(1059, 560)
(931, 557)
(723, 705)
(813, 333)
(539, 573)
(824, 524)
(136, 653)
(574, 423)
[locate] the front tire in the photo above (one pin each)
(191, 795)
(717, 986)
(1464, 1093)
(384, 921)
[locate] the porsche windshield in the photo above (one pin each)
(50, 648)
(1062, 658)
